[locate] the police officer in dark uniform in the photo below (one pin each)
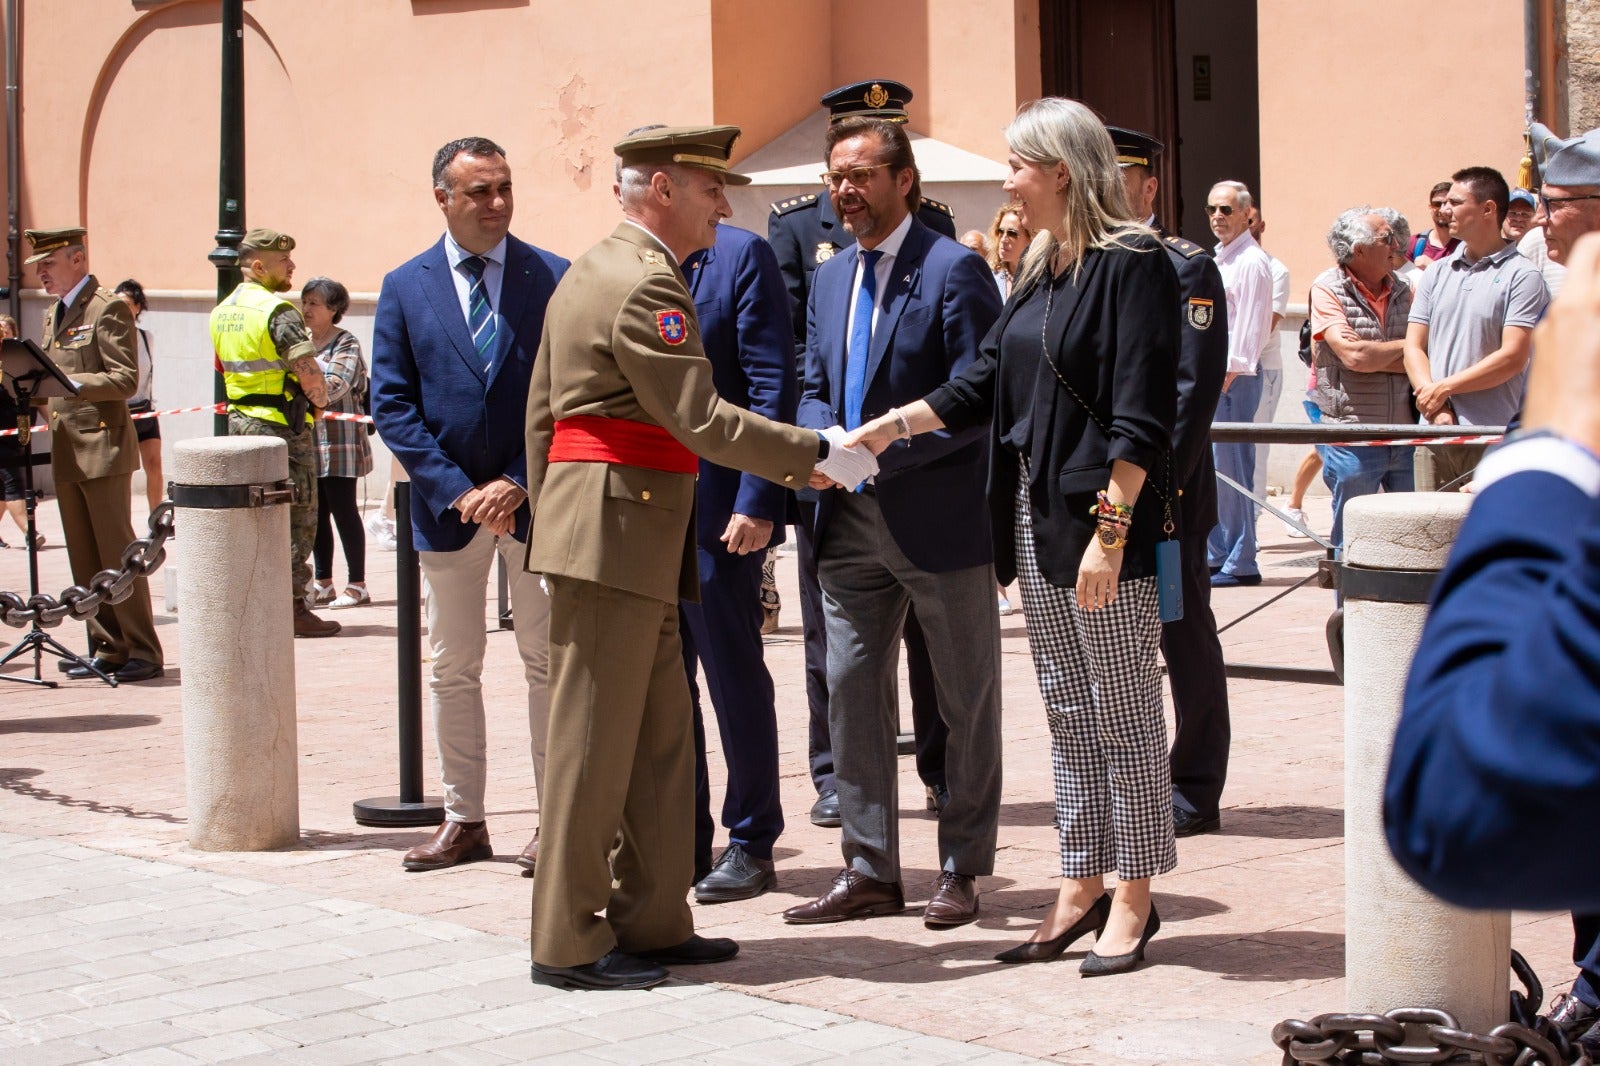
(1190, 644)
(804, 231)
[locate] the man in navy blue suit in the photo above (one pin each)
(453, 347)
(891, 318)
(744, 325)
(1498, 749)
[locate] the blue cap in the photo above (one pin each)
(868, 99)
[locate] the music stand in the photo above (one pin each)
(30, 374)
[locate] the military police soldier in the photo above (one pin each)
(1190, 645)
(804, 231)
(269, 366)
(88, 332)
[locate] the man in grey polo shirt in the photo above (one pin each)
(1471, 327)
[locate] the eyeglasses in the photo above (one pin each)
(1218, 209)
(1547, 201)
(1012, 233)
(1384, 239)
(1437, 204)
(857, 176)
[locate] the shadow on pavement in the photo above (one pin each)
(1284, 823)
(77, 723)
(15, 779)
(1284, 955)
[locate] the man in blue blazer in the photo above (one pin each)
(744, 325)
(453, 347)
(891, 318)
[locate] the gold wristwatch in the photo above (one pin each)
(1109, 539)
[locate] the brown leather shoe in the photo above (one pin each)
(307, 624)
(853, 895)
(954, 902)
(451, 843)
(529, 859)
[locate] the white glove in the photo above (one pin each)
(847, 466)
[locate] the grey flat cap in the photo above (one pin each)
(1566, 163)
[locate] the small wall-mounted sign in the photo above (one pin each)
(1202, 77)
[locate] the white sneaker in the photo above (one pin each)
(382, 531)
(1005, 605)
(1299, 516)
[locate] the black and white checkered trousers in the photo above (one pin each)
(1108, 738)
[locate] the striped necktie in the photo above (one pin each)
(480, 315)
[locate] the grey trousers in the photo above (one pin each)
(867, 587)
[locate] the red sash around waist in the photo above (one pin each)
(593, 439)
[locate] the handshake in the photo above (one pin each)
(846, 467)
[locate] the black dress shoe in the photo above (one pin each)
(613, 970)
(78, 673)
(938, 797)
(135, 670)
(695, 951)
(1094, 919)
(737, 875)
(1188, 824)
(1571, 1015)
(825, 812)
(1105, 965)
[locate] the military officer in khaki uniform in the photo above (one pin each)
(621, 405)
(88, 332)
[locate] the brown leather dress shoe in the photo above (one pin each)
(529, 859)
(451, 843)
(853, 895)
(954, 902)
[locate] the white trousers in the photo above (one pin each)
(455, 588)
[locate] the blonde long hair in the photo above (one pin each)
(1057, 130)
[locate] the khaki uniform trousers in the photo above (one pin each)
(98, 529)
(620, 757)
(1441, 465)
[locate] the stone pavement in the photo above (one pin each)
(1254, 917)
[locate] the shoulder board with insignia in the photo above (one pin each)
(1187, 249)
(783, 207)
(942, 208)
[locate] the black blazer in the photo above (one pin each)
(1114, 336)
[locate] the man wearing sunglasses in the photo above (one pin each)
(1247, 279)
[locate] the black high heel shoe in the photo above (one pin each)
(1105, 965)
(1094, 919)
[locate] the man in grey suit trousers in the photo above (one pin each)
(893, 317)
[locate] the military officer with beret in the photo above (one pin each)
(88, 332)
(804, 231)
(621, 409)
(269, 367)
(1202, 733)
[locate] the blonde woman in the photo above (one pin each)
(1008, 239)
(1079, 378)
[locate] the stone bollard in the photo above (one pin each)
(1403, 946)
(236, 641)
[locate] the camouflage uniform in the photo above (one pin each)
(292, 341)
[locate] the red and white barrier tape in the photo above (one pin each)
(214, 408)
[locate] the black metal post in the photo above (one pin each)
(230, 178)
(411, 807)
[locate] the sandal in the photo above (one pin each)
(321, 594)
(353, 596)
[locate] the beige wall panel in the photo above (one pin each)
(772, 65)
(1372, 101)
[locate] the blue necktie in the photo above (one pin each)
(480, 316)
(855, 370)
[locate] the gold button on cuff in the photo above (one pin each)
(645, 495)
(788, 477)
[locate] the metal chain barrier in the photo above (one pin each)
(78, 602)
(1421, 1034)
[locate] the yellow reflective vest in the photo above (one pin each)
(256, 376)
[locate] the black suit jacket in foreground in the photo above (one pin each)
(1114, 336)
(1202, 366)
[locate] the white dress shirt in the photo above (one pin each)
(883, 271)
(1272, 348)
(494, 273)
(1247, 278)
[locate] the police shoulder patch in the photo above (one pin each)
(1198, 312)
(673, 326)
(1187, 249)
(942, 208)
(794, 203)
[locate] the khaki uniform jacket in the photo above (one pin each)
(91, 435)
(606, 352)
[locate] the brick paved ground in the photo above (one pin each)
(1253, 918)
